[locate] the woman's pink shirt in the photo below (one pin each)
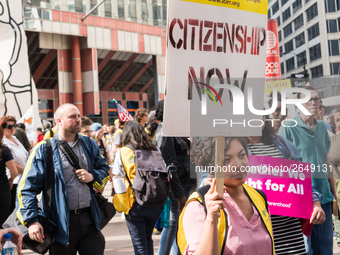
(244, 237)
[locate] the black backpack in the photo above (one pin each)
(151, 182)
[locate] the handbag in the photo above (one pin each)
(107, 209)
(49, 227)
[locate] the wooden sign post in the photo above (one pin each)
(219, 161)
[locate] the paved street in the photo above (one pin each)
(118, 241)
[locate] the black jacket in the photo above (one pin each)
(175, 152)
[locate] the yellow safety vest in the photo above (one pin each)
(256, 199)
(123, 202)
(120, 131)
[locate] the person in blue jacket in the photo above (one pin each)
(74, 208)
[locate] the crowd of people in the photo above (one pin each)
(201, 220)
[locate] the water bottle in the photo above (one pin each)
(9, 248)
(165, 215)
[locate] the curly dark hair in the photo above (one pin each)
(203, 151)
(135, 136)
(139, 113)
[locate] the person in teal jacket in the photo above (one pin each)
(73, 206)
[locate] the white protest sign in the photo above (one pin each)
(28, 119)
(18, 91)
(214, 47)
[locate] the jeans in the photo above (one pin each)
(141, 221)
(320, 241)
(168, 237)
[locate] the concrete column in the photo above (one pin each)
(76, 74)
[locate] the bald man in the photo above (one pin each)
(74, 207)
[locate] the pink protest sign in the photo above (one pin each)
(286, 183)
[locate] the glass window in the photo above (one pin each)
(269, 14)
(301, 59)
(317, 71)
(280, 36)
(298, 22)
(332, 26)
(283, 2)
(300, 40)
(144, 11)
(330, 6)
(132, 10)
(313, 31)
(47, 14)
(278, 21)
(312, 12)
(132, 106)
(289, 46)
(281, 52)
(287, 30)
(282, 68)
(112, 108)
(45, 108)
(164, 7)
(333, 47)
(290, 64)
(286, 15)
(93, 4)
(78, 6)
(314, 52)
(306, 1)
(335, 68)
(156, 13)
(108, 9)
(121, 13)
(297, 5)
(275, 7)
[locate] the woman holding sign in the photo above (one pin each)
(236, 222)
(288, 233)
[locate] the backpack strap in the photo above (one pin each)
(50, 177)
(223, 222)
(126, 175)
(201, 192)
(264, 197)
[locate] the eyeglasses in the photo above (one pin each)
(10, 126)
(315, 99)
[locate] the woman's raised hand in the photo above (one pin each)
(214, 203)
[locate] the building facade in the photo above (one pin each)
(116, 52)
(309, 34)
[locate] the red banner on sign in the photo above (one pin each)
(273, 68)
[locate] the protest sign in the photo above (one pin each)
(29, 120)
(279, 85)
(18, 91)
(216, 53)
(286, 183)
(273, 66)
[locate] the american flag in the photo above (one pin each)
(123, 114)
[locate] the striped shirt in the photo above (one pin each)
(288, 236)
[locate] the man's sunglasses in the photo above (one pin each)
(10, 126)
